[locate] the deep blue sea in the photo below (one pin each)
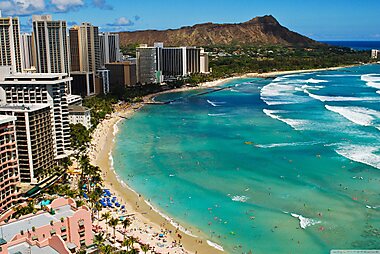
(285, 165)
(356, 45)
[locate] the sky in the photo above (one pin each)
(321, 20)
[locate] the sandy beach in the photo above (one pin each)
(280, 73)
(147, 220)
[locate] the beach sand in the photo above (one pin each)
(102, 145)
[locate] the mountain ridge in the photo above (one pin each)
(259, 30)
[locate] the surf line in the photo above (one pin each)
(191, 96)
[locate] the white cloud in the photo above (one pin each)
(101, 4)
(22, 7)
(122, 21)
(65, 5)
(29, 7)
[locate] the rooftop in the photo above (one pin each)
(32, 77)
(23, 107)
(9, 230)
(26, 248)
(78, 109)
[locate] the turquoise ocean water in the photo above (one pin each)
(290, 165)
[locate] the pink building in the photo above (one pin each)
(63, 230)
(9, 170)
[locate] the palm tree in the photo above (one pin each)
(99, 239)
(113, 223)
(98, 208)
(107, 249)
(93, 199)
(126, 223)
(132, 241)
(133, 251)
(125, 243)
(145, 248)
(106, 216)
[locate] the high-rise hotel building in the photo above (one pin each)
(84, 58)
(34, 137)
(10, 52)
(9, 171)
(51, 48)
(27, 51)
(39, 88)
(147, 65)
(158, 63)
(109, 48)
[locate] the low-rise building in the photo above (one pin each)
(34, 137)
(80, 114)
(74, 100)
(64, 229)
(9, 171)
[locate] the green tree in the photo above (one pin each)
(106, 216)
(98, 208)
(126, 243)
(107, 249)
(126, 223)
(80, 137)
(99, 239)
(113, 222)
(145, 248)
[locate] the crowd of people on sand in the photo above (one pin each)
(156, 238)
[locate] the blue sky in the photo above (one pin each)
(318, 19)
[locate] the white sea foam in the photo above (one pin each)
(276, 89)
(315, 81)
(311, 87)
(372, 207)
(358, 115)
(339, 98)
(170, 220)
(305, 222)
(281, 93)
(116, 128)
(215, 103)
(296, 124)
(242, 199)
(214, 245)
(288, 144)
(220, 114)
(360, 153)
(372, 80)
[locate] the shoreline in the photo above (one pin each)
(101, 155)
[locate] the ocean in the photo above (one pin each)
(356, 45)
(285, 165)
